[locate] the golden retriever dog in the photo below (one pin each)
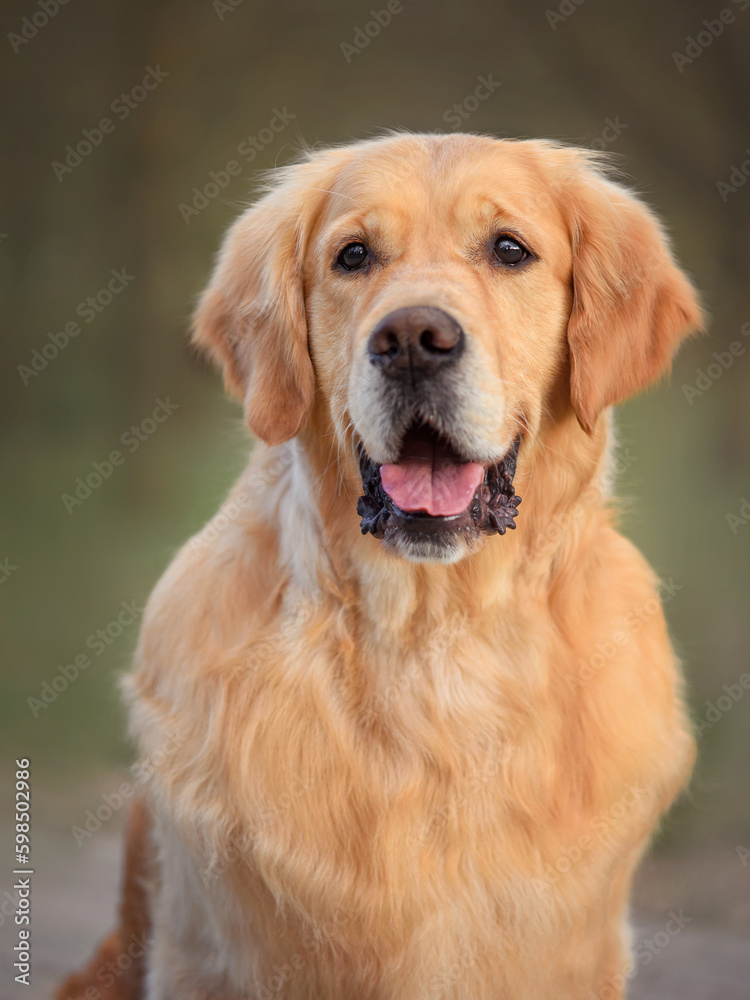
(401, 752)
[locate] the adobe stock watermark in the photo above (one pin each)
(122, 107)
(253, 486)
(709, 31)
(227, 515)
(88, 309)
(716, 710)
(555, 528)
(266, 813)
(111, 802)
(99, 641)
(446, 983)
(457, 113)
(224, 7)
(603, 826)
(131, 440)
(33, 23)
(281, 976)
(7, 569)
(738, 175)
(8, 905)
(609, 134)
(371, 29)
(113, 969)
(261, 651)
(384, 700)
(723, 361)
(741, 518)
(633, 622)
(475, 785)
(565, 10)
(644, 952)
(274, 986)
(248, 149)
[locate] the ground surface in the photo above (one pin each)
(707, 958)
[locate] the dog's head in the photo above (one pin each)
(432, 303)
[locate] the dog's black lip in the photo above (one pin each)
(492, 508)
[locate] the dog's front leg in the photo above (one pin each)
(186, 954)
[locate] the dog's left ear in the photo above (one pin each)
(632, 305)
(251, 318)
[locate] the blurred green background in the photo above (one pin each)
(603, 75)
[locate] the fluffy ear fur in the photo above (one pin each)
(632, 305)
(251, 318)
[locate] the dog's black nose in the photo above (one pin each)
(420, 339)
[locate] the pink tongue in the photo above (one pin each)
(429, 478)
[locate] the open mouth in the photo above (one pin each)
(432, 490)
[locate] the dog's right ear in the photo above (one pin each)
(632, 304)
(251, 318)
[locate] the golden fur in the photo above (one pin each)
(398, 779)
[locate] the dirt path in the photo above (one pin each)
(75, 889)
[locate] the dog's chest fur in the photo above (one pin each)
(399, 811)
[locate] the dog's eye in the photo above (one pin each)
(353, 256)
(509, 251)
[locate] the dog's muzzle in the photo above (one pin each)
(432, 493)
(492, 509)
